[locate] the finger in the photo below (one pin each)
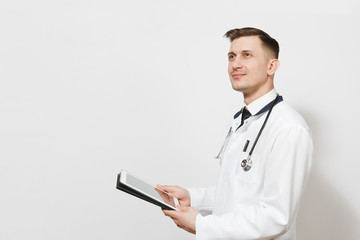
(168, 188)
(160, 186)
(171, 213)
(163, 191)
(163, 210)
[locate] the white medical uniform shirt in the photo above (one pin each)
(263, 202)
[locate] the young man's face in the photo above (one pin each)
(248, 67)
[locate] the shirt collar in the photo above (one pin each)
(260, 105)
(255, 106)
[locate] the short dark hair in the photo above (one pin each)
(269, 42)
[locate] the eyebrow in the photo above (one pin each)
(242, 51)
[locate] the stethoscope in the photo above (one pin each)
(247, 163)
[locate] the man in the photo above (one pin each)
(265, 160)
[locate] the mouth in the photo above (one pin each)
(237, 75)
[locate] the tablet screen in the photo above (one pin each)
(150, 190)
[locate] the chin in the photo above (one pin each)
(238, 88)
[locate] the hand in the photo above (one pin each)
(185, 218)
(166, 197)
(180, 193)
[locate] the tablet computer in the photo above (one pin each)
(131, 184)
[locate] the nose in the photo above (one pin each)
(236, 64)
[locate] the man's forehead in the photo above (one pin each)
(251, 43)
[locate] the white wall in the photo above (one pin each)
(90, 87)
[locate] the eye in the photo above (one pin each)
(231, 57)
(247, 55)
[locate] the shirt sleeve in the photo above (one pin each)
(202, 199)
(285, 178)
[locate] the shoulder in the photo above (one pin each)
(285, 117)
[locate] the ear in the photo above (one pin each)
(274, 64)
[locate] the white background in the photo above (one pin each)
(91, 87)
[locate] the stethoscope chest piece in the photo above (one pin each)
(246, 164)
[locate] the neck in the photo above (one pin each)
(250, 97)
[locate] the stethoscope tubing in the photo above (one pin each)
(263, 125)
